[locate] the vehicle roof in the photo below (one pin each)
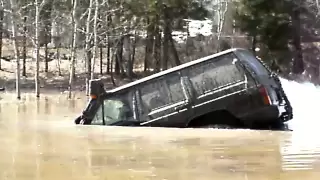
(182, 66)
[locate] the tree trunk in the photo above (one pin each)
(87, 48)
(117, 69)
(298, 65)
(148, 44)
(101, 58)
(111, 72)
(165, 44)
(109, 21)
(16, 50)
(46, 68)
(73, 48)
(174, 50)
(37, 49)
(119, 57)
(188, 41)
(222, 10)
(101, 44)
(108, 55)
(127, 48)
(157, 45)
(1, 32)
(58, 43)
(95, 40)
(58, 60)
(24, 73)
(45, 18)
(134, 45)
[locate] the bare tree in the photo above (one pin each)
(95, 40)
(87, 48)
(24, 51)
(73, 47)
(1, 29)
(222, 8)
(37, 46)
(15, 45)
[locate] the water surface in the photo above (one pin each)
(40, 142)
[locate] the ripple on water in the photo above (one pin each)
(39, 141)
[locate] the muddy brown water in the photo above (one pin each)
(38, 141)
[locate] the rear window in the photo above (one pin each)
(214, 74)
(255, 63)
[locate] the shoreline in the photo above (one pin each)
(26, 96)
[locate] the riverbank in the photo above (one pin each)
(51, 82)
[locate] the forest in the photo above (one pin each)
(62, 44)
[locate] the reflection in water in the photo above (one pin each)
(46, 106)
(39, 141)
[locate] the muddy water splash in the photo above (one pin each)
(38, 140)
(303, 148)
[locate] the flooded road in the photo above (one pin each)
(38, 141)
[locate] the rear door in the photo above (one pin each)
(259, 72)
(219, 83)
(163, 102)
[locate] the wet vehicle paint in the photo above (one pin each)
(230, 87)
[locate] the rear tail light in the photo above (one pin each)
(265, 97)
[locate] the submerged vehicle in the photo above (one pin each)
(229, 87)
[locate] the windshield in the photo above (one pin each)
(112, 111)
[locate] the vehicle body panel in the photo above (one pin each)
(160, 108)
(230, 80)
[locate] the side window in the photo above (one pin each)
(215, 73)
(154, 95)
(162, 92)
(175, 93)
(115, 109)
(227, 71)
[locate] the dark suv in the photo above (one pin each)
(232, 87)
